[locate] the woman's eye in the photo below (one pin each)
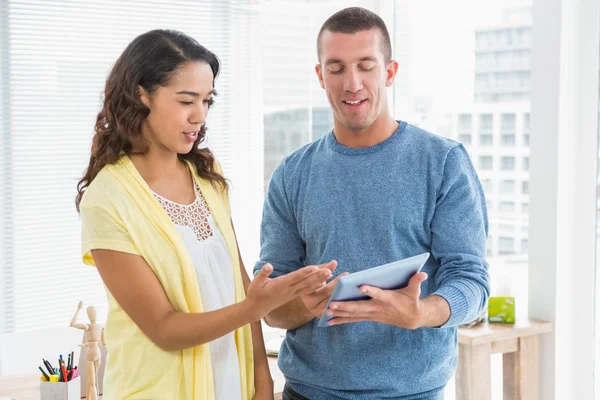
(187, 103)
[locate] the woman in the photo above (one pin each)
(184, 319)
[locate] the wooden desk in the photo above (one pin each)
(22, 387)
(518, 344)
(27, 387)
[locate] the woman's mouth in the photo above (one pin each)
(192, 136)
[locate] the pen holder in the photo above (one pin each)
(61, 390)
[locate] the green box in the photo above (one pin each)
(501, 310)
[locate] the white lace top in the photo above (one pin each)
(214, 270)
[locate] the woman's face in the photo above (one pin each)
(178, 110)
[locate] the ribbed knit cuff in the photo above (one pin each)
(459, 305)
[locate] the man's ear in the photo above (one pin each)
(319, 72)
(391, 70)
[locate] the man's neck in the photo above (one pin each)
(380, 130)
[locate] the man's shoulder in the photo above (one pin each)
(303, 156)
(429, 141)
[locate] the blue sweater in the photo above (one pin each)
(412, 193)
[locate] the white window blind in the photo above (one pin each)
(54, 59)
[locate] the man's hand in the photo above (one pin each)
(402, 307)
(317, 301)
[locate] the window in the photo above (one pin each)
(525, 187)
(486, 140)
(526, 130)
(507, 187)
(74, 46)
(504, 228)
(507, 206)
(490, 246)
(507, 163)
(487, 185)
(506, 245)
(486, 123)
(464, 123)
(525, 208)
(524, 245)
(279, 109)
(508, 139)
(508, 122)
(485, 162)
(465, 139)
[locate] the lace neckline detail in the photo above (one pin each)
(195, 215)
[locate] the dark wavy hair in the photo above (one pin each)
(149, 61)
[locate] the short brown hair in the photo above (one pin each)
(356, 19)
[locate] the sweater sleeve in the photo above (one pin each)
(459, 233)
(281, 244)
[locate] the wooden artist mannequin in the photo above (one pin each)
(94, 335)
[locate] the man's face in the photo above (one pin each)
(354, 74)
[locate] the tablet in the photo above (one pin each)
(394, 275)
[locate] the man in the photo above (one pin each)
(372, 191)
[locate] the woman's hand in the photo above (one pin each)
(264, 389)
(265, 294)
(264, 395)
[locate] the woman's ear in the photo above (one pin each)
(144, 96)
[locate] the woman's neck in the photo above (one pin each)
(155, 166)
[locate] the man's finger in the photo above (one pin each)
(356, 308)
(414, 285)
(340, 321)
(318, 308)
(374, 293)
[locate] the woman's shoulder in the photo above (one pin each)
(105, 187)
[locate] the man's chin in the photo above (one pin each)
(354, 125)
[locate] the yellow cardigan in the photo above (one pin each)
(119, 212)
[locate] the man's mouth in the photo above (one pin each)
(354, 103)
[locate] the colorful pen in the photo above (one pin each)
(44, 373)
(64, 371)
(48, 366)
